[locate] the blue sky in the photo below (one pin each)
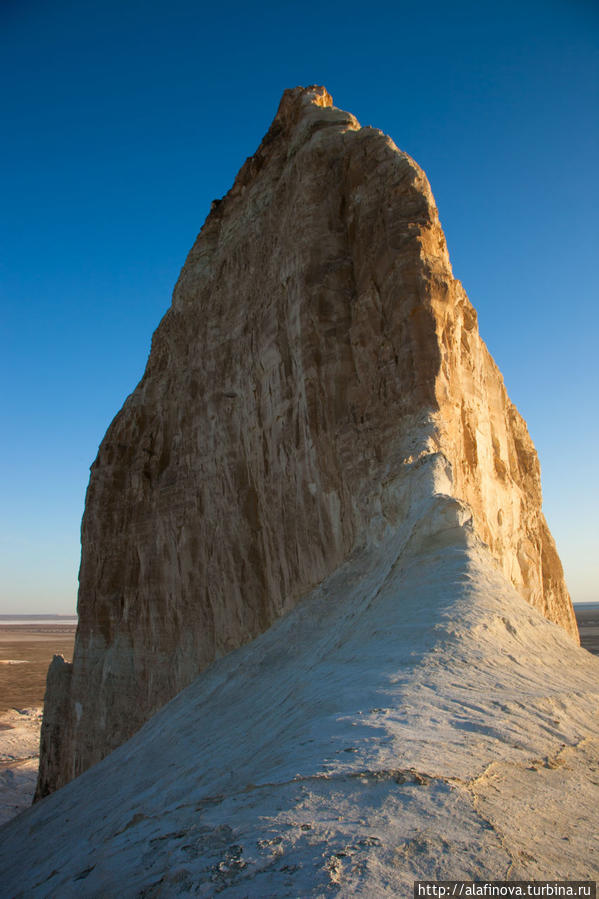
(123, 120)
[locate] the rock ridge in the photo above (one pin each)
(318, 360)
(411, 718)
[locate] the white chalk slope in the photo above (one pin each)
(19, 759)
(412, 718)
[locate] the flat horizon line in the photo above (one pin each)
(44, 615)
(58, 616)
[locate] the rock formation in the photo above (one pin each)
(411, 718)
(317, 358)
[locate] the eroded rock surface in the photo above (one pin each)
(411, 718)
(317, 353)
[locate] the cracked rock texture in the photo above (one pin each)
(317, 352)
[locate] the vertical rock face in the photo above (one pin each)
(317, 352)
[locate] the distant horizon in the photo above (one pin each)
(43, 615)
(55, 615)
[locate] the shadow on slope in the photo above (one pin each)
(412, 718)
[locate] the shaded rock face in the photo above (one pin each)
(410, 718)
(317, 353)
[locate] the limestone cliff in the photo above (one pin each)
(317, 353)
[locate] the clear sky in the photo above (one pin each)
(123, 119)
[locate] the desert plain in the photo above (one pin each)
(26, 651)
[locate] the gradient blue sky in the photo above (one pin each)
(123, 120)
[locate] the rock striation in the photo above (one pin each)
(318, 355)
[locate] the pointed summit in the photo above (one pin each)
(318, 389)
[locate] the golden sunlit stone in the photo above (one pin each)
(318, 352)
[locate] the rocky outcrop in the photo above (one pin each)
(410, 719)
(57, 722)
(318, 352)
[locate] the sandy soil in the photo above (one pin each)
(25, 654)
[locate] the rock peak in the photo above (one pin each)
(296, 99)
(301, 113)
(318, 387)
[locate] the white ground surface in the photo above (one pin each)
(413, 718)
(19, 748)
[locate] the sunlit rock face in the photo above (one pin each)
(317, 353)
